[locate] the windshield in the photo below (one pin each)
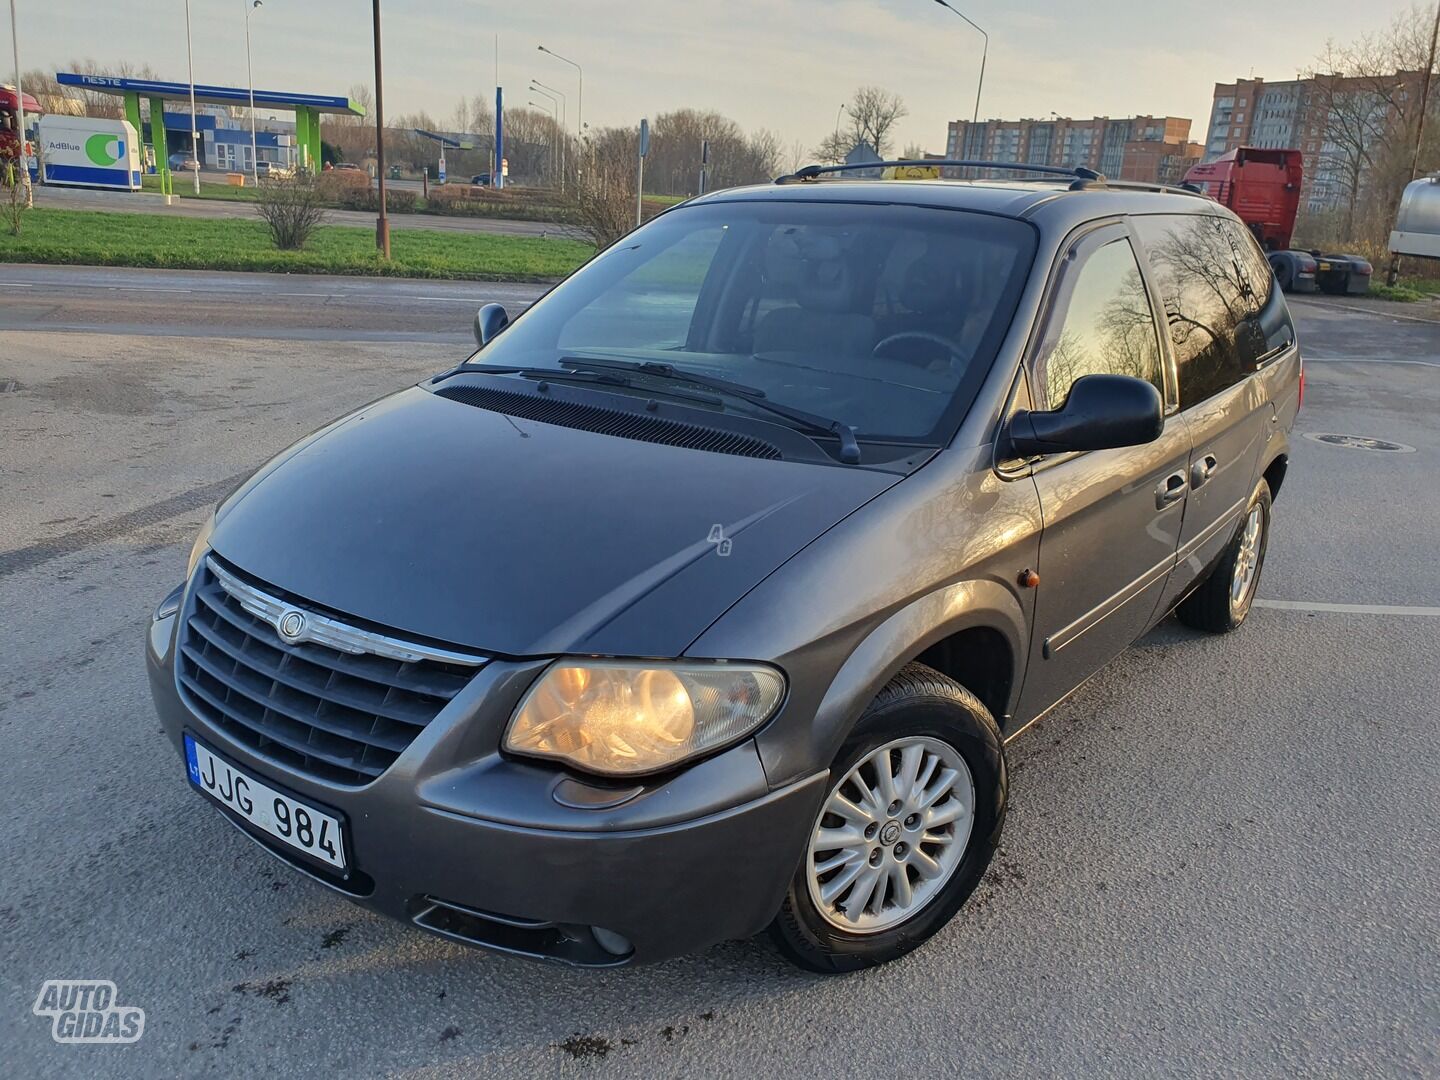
(884, 317)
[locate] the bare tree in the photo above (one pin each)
(1368, 93)
(601, 205)
(870, 117)
(873, 112)
(832, 148)
(798, 156)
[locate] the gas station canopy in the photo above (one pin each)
(307, 108)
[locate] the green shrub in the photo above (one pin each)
(396, 201)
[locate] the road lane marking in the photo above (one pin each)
(16, 285)
(1351, 609)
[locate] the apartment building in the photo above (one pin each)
(1297, 114)
(1147, 148)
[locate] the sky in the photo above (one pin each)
(785, 65)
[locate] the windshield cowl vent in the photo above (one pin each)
(619, 423)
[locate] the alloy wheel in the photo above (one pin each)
(890, 835)
(1247, 559)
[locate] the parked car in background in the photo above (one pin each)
(183, 163)
(481, 179)
(705, 595)
(348, 166)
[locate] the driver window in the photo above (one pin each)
(1107, 326)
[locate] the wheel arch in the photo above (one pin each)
(1274, 472)
(975, 632)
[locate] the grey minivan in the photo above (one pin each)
(704, 596)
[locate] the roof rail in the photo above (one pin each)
(814, 172)
(1149, 185)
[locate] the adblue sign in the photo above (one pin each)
(86, 151)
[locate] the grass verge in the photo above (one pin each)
(1400, 294)
(94, 238)
(185, 188)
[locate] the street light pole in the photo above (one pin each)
(553, 94)
(580, 103)
(382, 223)
(250, 74)
(20, 113)
(194, 137)
(985, 52)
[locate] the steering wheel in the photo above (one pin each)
(958, 357)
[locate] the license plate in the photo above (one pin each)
(1324, 266)
(295, 824)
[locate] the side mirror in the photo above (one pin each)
(489, 321)
(1103, 412)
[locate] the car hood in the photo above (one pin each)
(520, 538)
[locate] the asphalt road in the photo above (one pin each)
(1221, 857)
(275, 307)
(142, 202)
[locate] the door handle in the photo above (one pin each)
(1171, 489)
(1201, 470)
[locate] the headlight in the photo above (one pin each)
(202, 542)
(624, 718)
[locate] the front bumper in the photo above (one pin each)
(523, 858)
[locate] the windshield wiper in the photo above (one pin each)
(607, 378)
(667, 371)
(753, 395)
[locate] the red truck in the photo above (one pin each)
(1262, 187)
(10, 118)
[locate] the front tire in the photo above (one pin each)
(912, 817)
(1223, 600)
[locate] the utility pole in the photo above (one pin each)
(194, 136)
(250, 74)
(382, 223)
(1394, 272)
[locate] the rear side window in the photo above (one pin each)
(1213, 283)
(1107, 327)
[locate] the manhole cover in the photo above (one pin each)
(1359, 442)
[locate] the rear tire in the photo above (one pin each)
(924, 858)
(1223, 600)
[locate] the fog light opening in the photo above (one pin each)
(611, 942)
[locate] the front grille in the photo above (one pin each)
(335, 715)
